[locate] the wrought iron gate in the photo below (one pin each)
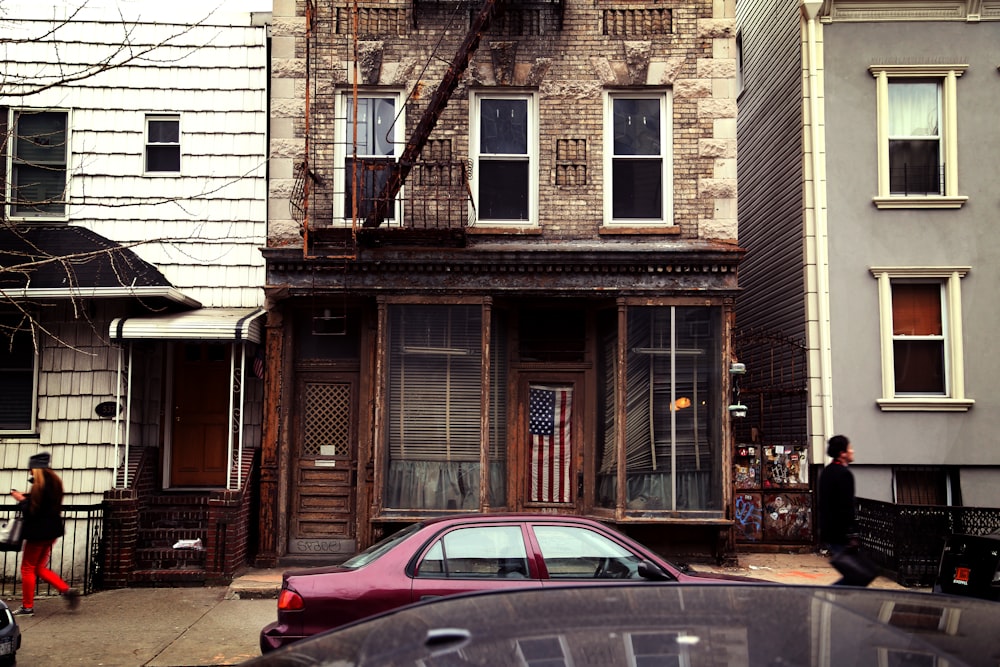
(772, 494)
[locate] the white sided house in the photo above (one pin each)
(135, 196)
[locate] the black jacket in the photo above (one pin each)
(43, 525)
(837, 520)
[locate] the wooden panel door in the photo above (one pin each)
(325, 466)
(200, 426)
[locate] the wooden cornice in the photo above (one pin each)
(624, 269)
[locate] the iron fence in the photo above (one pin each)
(908, 539)
(75, 556)
(923, 179)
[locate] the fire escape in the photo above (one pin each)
(438, 206)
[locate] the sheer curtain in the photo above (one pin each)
(913, 110)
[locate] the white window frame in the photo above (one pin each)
(145, 155)
(9, 167)
(947, 75)
(954, 398)
(665, 98)
(344, 150)
(477, 157)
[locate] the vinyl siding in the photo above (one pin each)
(203, 227)
(770, 168)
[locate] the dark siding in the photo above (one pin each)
(770, 310)
(770, 169)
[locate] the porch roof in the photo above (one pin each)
(69, 261)
(224, 324)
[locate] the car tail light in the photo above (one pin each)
(289, 600)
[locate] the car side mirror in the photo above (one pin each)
(651, 571)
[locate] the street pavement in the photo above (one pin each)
(187, 627)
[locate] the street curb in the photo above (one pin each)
(250, 593)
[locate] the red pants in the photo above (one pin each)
(34, 564)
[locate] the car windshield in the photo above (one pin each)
(376, 550)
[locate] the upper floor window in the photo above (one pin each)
(163, 143)
(637, 159)
(505, 158)
(17, 374)
(38, 164)
(921, 325)
(917, 136)
(371, 129)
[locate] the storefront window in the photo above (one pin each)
(672, 425)
(434, 407)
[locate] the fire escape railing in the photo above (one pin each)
(438, 102)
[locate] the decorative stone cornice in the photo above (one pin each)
(970, 11)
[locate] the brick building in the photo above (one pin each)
(501, 267)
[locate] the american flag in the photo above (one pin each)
(549, 426)
(258, 362)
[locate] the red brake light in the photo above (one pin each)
(289, 600)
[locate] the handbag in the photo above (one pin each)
(11, 530)
(855, 568)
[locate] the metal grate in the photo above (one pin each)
(327, 427)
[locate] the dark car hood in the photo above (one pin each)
(767, 624)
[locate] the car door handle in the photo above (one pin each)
(430, 597)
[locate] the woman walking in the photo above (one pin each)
(42, 509)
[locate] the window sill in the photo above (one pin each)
(925, 404)
(12, 434)
(666, 230)
(495, 229)
(38, 219)
(919, 202)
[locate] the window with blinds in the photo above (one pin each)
(435, 382)
(17, 374)
(920, 327)
(434, 406)
(918, 337)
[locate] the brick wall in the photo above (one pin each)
(687, 48)
(230, 524)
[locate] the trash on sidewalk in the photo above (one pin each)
(188, 544)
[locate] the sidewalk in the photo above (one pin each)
(186, 627)
(810, 569)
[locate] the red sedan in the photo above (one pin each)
(459, 554)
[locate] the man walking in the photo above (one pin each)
(838, 524)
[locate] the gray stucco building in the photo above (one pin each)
(866, 173)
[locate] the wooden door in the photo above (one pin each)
(549, 454)
(199, 434)
(325, 465)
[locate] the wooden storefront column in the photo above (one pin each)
(267, 552)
